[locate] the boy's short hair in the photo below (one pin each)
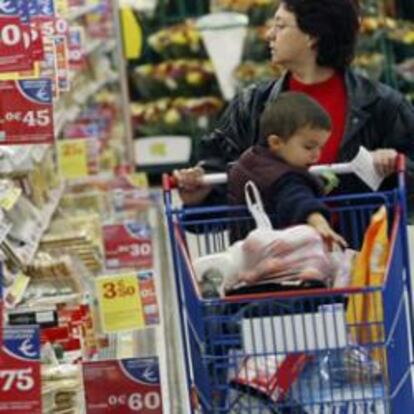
(290, 112)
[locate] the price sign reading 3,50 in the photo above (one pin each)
(119, 289)
(137, 401)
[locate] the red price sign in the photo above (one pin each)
(14, 42)
(128, 245)
(20, 371)
(26, 113)
(126, 386)
(16, 380)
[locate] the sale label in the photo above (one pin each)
(14, 38)
(26, 112)
(20, 386)
(120, 304)
(128, 244)
(77, 56)
(73, 158)
(148, 296)
(62, 62)
(124, 386)
(78, 157)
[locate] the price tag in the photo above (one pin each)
(119, 302)
(26, 113)
(77, 58)
(139, 180)
(62, 7)
(20, 371)
(128, 244)
(9, 198)
(14, 39)
(126, 386)
(73, 158)
(61, 52)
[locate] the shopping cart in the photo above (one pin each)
(295, 351)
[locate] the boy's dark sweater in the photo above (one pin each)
(289, 194)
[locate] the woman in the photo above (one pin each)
(314, 40)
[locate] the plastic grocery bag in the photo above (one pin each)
(295, 254)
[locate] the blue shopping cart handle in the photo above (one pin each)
(360, 166)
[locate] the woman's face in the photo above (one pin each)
(289, 46)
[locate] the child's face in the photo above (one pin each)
(302, 149)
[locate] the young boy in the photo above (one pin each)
(293, 131)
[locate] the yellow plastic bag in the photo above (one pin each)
(365, 311)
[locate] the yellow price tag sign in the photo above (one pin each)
(73, 158)
(139, 180)
(158, 149)
(62, 7)
(120, 304)
(9, 199)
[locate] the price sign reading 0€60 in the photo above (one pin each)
(26, 112)
(20, 371)
(119, 302)
(123, 386)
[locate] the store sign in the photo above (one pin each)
(124, 386)
(120, 303)
(76, 49)
(20, 384)
(26, 113)
(160, 150)
(14, 39)
(78, 157)
(128, 244)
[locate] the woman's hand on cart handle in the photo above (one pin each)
(386, 161)
(191, 186)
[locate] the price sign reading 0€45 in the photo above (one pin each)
(20, 371)
(26, 112)
(119, 302)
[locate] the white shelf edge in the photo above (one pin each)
(80, 11)
(35, 153)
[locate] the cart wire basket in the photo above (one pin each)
(302, 350)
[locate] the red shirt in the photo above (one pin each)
(331, 95)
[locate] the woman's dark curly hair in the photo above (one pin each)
(335, 25)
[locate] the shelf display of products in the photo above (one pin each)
(65, 197)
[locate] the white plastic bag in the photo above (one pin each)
(295, 254)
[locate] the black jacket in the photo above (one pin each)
(378, 117)
(289, 194)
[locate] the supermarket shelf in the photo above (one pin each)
(21, 158)
(70, 114)
(100, 45)
(27, 252)
(80, 11)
